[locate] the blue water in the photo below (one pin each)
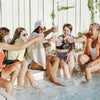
(73, 90)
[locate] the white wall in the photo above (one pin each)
(14, 13)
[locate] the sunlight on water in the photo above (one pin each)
(73, 90)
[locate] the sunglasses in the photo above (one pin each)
(25, 34)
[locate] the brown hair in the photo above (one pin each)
(68, 25)
(3, 32)
(17, 34)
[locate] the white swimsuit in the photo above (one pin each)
(93, 52)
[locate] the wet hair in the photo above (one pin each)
(17, 34)
(68, 25)
(37, 30)
(96, 25)
(3, 32)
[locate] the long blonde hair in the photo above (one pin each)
(17, 34)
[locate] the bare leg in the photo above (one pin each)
(55, 62)
(6, 84)
(82, 60)
(89, 70)
(52, 64)
(71, 62)
(36, 66)
(12, 70)
(22, 73)
(32, 80)
(65, 68)
(50, 71)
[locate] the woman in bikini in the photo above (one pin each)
(65, 51)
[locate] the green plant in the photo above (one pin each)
(78, 50)
(53, 16)
(53, 12)
(94, 7)
(91, 8)
(66, 8)
(97, 5)
(80, 34)
(52, 52)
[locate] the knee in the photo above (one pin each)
(48, 58)
(80, 58)
(56, 58)
(18, 66)
(24, 62)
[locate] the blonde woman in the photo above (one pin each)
(90, 61)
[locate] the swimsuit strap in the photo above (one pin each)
(0, 73)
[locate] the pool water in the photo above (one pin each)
(74, 89)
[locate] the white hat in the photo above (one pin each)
(39, 23)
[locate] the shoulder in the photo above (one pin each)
(32, 35)
(19, 41)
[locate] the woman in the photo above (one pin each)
(13, 69)
(18, 39)
(90, 60)
(36, 53)
(65, 48)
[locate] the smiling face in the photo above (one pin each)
(93, 32)
(41, 30)
(66, 31)
(23, 35)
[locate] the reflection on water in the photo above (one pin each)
(74, 89)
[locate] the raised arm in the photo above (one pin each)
(6, 46)
(53, 29)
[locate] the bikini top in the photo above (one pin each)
(2, 55)
(65, 45)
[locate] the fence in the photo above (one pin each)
(24, 13)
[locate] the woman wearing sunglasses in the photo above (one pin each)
(15, 56)
(13, 69)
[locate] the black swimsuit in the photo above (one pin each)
(65, 46)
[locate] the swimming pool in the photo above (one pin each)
(73, 90)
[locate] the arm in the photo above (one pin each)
(79, 40)
(53, 29)
(95, 61)
(6, 46)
